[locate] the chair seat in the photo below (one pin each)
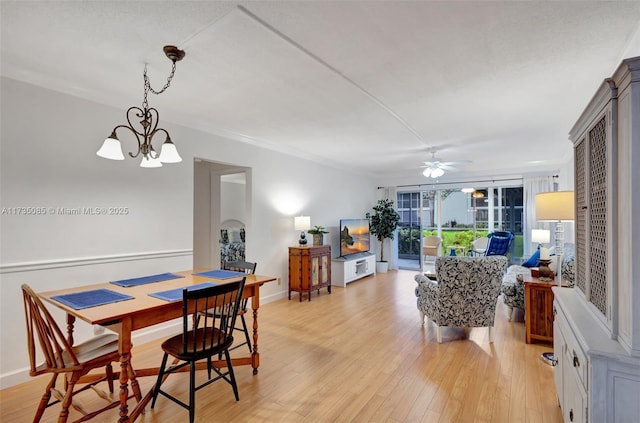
(175, 345)
(102, 349)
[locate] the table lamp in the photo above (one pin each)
(302, 223)
(543, 236)
(540, 236)
(557, 207)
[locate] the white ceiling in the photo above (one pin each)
(364, 85)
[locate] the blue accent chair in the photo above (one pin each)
(499, 243)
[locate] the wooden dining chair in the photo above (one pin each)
(72, 361)
(211, 334)
(250, 269)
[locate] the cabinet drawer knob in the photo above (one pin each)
(571, 415)
(576, 360)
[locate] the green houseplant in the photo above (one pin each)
(383, 223)
(318, 234)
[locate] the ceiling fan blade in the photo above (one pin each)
(456, 162)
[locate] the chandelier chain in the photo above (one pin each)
(147, 84)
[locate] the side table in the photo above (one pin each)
(538, 306)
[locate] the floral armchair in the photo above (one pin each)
(465, 292)
(513, 289)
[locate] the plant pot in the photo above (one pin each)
(382, 266)
(318, 239)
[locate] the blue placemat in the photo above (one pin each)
(176, 294)
(146, 279)
(220, 274)
(86, 299)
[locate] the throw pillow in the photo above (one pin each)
(533, 260)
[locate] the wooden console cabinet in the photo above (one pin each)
(538, 306)
(309, 269)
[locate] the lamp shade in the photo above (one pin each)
(555, 206)
(150, 162)
(111, 149)
(540, 236)
(169, 153)
(301, 223)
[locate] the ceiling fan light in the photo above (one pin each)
(427, 172)
(437, 172)
(467, 190)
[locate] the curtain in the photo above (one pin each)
(391, 246)
(531, 187)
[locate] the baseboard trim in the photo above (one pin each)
(88, 261)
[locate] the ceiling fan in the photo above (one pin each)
(436, 167)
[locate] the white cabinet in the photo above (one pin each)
(596, 380)
(571, 371)
(598, 322)
(351, 268)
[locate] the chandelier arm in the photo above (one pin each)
(150, 137)
(153, 117)
(139, 113)
(136, 134)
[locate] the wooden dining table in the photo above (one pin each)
(144, 310)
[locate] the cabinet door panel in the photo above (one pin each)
(315, 271)
(324, 269)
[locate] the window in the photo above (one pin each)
(458, 218)
(409, 231)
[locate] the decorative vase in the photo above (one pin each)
(318, 239)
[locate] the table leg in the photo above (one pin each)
(255, 305)
(124, 347)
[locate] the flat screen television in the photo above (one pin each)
(354, 236)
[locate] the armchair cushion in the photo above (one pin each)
(513, 289)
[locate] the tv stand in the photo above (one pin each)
(350, 268)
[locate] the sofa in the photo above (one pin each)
(513, 289)
(463, 294)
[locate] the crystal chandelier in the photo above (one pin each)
(148, 126)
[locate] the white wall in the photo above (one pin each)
(232, 201)
(48, 160)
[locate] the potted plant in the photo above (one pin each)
(318, 234)
(383, 223)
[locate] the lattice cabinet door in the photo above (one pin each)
(581, 234)
(599, 218)
(595, 221)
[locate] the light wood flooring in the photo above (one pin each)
(359, 354)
